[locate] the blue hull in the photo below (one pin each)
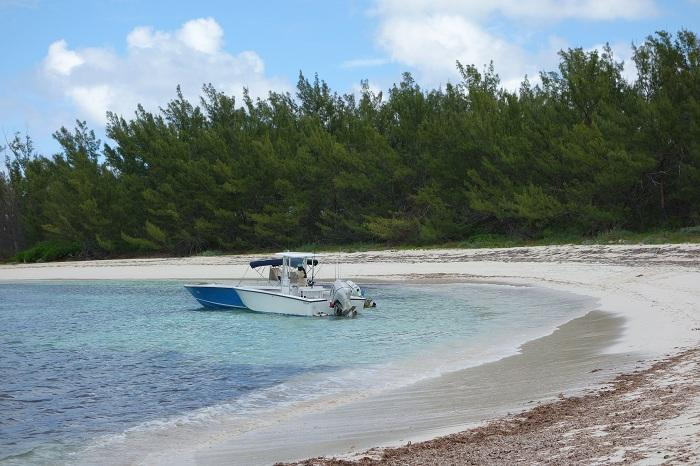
(215, 297)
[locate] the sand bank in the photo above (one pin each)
(649, 296)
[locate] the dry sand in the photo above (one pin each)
(652, 415)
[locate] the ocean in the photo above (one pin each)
(90, 368)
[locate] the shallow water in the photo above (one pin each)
(93, 365)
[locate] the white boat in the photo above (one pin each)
(291, 289)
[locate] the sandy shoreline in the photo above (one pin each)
(648, 416)
(566, 361)
(654, 289)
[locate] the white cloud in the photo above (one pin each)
(434, 43)
(431, 35)
(203, 34)
(92, 99)
(144, 37)
(97, 79)
(60, 60)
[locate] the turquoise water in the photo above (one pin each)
(89, 364)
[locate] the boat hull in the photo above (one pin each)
(261, 300)
(216, 297)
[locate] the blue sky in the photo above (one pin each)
(77, 59)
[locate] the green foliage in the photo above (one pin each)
(617, 236)
(583, 154)
(47, 251)
(155, 233)
(139, 244)
(211, 253)
(394, 230)
(488, 240)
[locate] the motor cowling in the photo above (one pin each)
(340, 295)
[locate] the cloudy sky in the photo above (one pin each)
(77, 59)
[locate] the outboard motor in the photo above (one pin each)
(340, 297)
(356, 291)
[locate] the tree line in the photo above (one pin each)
(582, 151)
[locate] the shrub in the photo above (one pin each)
(488, 240)
(48, 251)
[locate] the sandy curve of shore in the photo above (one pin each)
(649, 416)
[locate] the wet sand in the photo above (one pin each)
(566, 361)
(648, 416)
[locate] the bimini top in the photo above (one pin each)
(295, 260)
(266, 262)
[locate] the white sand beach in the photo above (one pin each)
(649, 302)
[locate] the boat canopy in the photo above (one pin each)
(294, 262)
(266, 262)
